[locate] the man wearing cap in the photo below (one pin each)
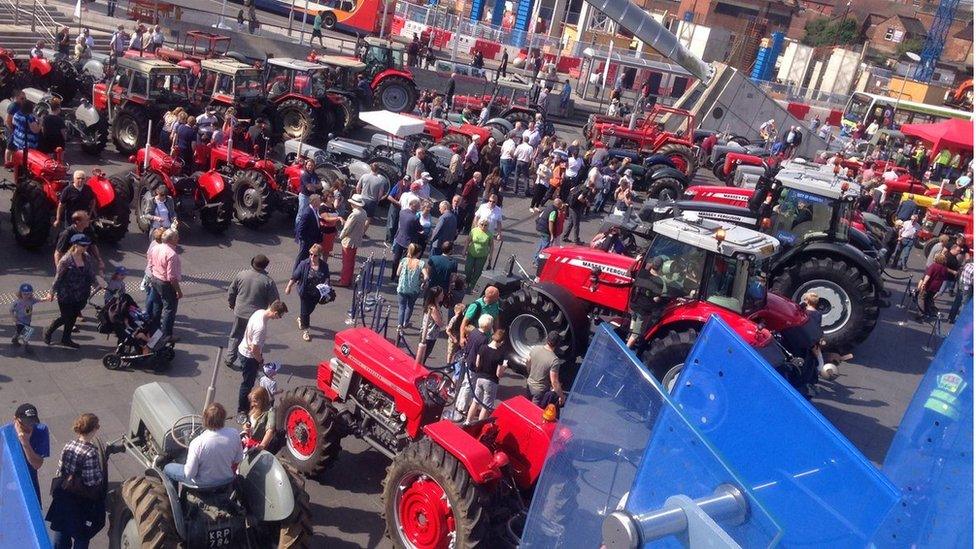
(34, 439)
(251, 290)
(351, 237)
(372, 187)
(166, 269)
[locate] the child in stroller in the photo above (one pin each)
(139, 344)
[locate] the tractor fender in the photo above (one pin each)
(384, 74)
(501, 122)
(476, 458)
(39, 66)
(102, 187)
(870, 267)
(266, 487)
(174, 499)
(303, 98)
(694, 315)
(7, 58)
(656, 161)
(95, 68)
(572, 307)
(211, 184)
(87, 114)
(665, 171)
(192, 65)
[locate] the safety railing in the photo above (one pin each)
(41, 20)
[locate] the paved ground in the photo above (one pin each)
(865, 403)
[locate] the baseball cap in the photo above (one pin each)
(26, 288)
(121, 270)
(81, 240)
(27, 412)
(426, 176)
(271, 368)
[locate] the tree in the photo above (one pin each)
(826, 32)
(911, 44)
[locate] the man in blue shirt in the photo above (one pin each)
(34, 439)
(307, 228)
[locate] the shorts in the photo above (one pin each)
(485, 391)
(637, 324)
(316, 32)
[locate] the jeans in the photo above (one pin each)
(69, 315)
(176, 472)
(573, 224)
(903, 251)
(391, 222)
(234, 339)
(544, 242)
(522, 168)
(405, 311)
(249, 373)
(302, 204)
(305, 309)
(963, 296)
(167, 293)
(398, 253)
(508, 168)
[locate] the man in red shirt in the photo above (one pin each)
(469, 201)
(931, 283)
(166, 270)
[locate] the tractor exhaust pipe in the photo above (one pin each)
(145, 159)
(212, 389)
(655, 35)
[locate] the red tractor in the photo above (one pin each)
(195, 47)
(701, 268)
(449, 485)
(226, 82)
(651, 134)
(939, 222)
(55, 74)
(207, 193)
(313, 98)
(38, 183)
(457, 136)
(393, 86)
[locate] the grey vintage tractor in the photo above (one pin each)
(264, 506)
(83, 122)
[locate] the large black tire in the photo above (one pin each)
(498, 131)
(528, 316)
(427, 485)
(848, 301)
(130, 129)
(144, 194)
(348, 113)
(96, 138)
(252, 198)
(520, 116)
(63, 78)
(665, 356)
(296, 531)
(296, 119)
(395, 93)
(329, 20)
(142, 500)
(112, 222)
(6, 78)
(928, 245)
(718, 169)
(680, 154)
(457, 142)
(30, 214)
(312, 438)
(217, 220)
(665, 189)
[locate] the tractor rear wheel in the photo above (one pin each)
(665, 356)
(928, 245)
(529, 315)
(847, 298)
(345, 114)
(296, 119)
(312, 438)
(112, 222)
(142, 516)
(430, 500)
(516, 115)
(252, 198)
(682, 157)
(396, 94)
(63, 78)
(30, 215)
(217, 219)
(129, 130)
(457, 142)
(296, 531)
(144, 193)
(95, 138)
(665, 189)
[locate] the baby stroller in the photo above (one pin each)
(139, 345)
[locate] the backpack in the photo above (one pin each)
(542, 222)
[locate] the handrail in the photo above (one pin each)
(38, 14)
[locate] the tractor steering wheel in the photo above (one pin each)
(439, 388)
(185, 429)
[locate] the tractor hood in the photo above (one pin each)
(596, 277)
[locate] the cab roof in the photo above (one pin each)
(383, 43)
(145, 64)
(295, 64)
(227, 65)
(701, 233)
(340, 61)
(812, 179)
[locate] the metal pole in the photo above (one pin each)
(291, 17)
(17, 13)
(422, 347)
(34, 16)
(145, 159)
(223, 7)
(212, 389)
(386, 8)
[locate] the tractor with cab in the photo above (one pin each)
(314, 98)
(265, 505)
(392, 83)
(225, 82)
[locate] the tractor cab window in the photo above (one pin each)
(277, 81)
(728, 279)
(316, 83)
(679, 265)
(169, 84)
(140, 84)
(225, 84)
(378, 56)
(122, 79)
(248, 85)
(800, 215)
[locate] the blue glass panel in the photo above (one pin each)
(21, 524)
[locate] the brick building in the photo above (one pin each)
(887, 35)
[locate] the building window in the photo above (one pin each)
(889, 34)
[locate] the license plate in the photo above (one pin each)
(219, 537)
(155, 339)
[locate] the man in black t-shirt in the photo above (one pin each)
(77, 196)
(53, 129)
(80, 224)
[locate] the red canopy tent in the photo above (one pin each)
(953, 134)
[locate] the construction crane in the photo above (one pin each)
(935, 40)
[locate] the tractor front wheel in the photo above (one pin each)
(142, 516)
(30, 215)
(430, 501)
(312, 438)
(63, 78)
(395, 93)
(529, 316)
(665, 189)
(682, 157)
(144, 193)
(252, 198)
(112, 222)
(665, 356)
(130, 130)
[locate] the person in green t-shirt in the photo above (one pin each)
(317, 29)
(479, 248)
(488, 304)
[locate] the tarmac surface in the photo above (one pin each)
(865, 403)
